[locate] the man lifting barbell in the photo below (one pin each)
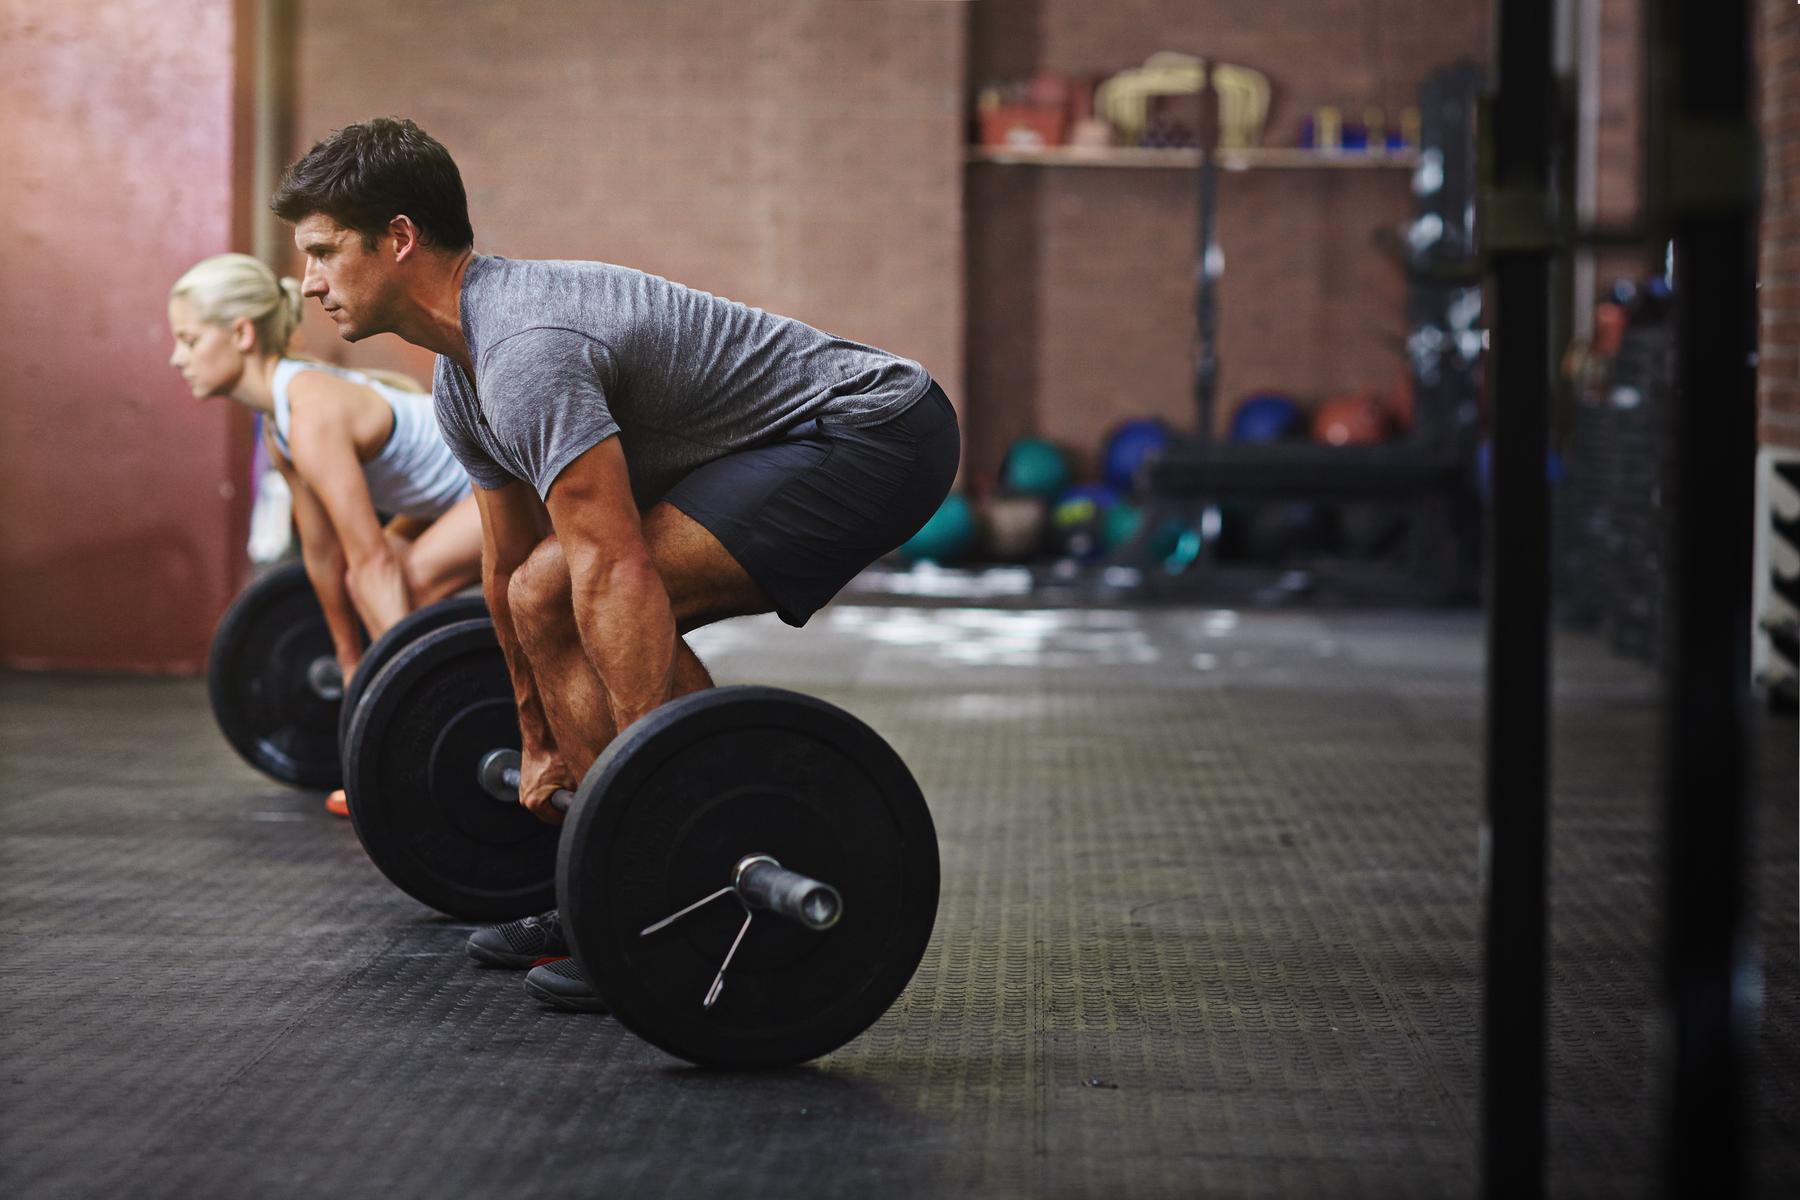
(697, 458)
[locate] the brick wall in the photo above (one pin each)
(1099, 324)
(804, 156)
(1778, 360)
(1619, 152)
(1619, 146)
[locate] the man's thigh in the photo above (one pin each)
(705, 583)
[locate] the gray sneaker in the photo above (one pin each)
(519, 944)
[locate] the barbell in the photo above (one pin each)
(747, 875)
(274, 682)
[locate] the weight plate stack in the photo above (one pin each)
(663, 818)
(400, 634)
(411, 763)
(259, 679)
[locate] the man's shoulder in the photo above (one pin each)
(514, 305)
(492, 276)
(443, 379)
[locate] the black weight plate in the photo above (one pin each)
(413, 625)
(416, 741)
(256, 678)
(667, 812)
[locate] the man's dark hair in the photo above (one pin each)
(363, 176)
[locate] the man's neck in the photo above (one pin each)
(436, 318)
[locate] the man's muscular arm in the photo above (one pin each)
(621, 606)
(511, 528)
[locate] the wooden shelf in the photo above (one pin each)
(1257, 158)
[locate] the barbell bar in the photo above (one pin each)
(758, 880)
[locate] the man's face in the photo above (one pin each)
(354, 284)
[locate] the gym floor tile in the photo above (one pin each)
(1209, 926)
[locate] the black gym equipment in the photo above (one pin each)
(1515, 825)
(1700, 194)
(412, 762)
(676, 814)
(408, 629)
(717, 809)
(273, 679)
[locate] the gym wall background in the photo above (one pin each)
(805, 155)
(125, 140)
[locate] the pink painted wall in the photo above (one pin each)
(125, 501)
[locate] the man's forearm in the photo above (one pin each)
(534, 728)
(628, 632)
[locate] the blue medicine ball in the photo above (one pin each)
(1127, 448)
(1267, 417)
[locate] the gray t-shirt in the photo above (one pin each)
(568, 354)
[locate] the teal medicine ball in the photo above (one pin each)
(1034, 467)
(947, 537)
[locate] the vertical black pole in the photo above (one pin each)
(1206, 348)
(1704, 169)
(1518, 224)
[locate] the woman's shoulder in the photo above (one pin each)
(322, 385)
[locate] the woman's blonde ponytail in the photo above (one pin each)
(228, 286)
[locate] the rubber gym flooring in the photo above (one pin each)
(1209, 926)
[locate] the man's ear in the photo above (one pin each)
(406, 235)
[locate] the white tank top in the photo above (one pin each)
(415, 475)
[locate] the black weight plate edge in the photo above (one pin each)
(414, 625)
(272, 586)
(370, 722)
(586, 813)
(898, 967)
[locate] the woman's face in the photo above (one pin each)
(207, 355)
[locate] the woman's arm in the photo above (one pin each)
(324, 411)
(324, 561)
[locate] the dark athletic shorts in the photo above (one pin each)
(804, 514)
